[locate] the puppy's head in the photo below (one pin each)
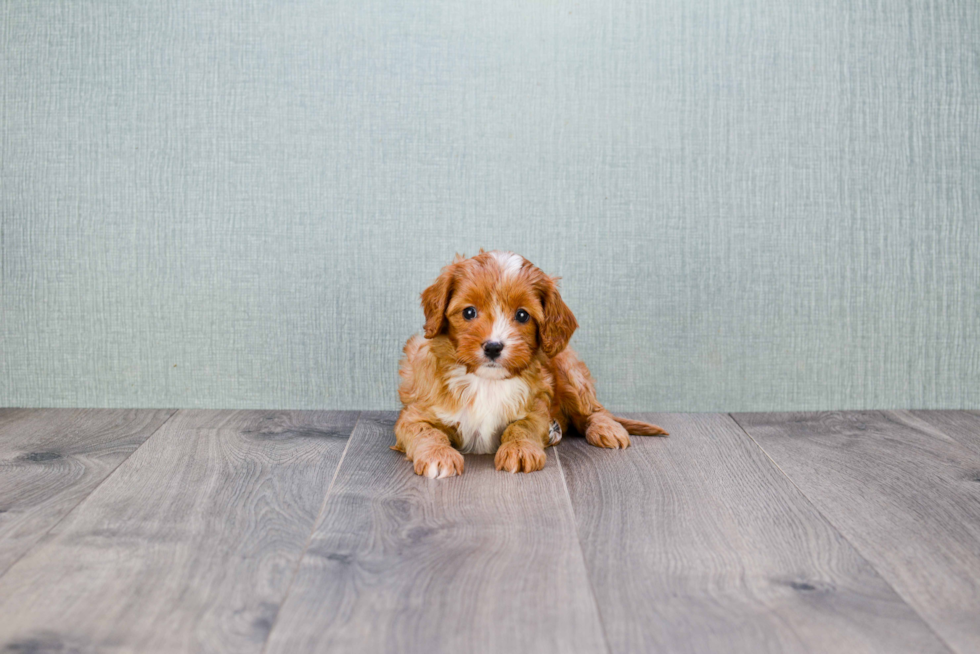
(498, 310)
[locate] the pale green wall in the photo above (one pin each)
(754, 205)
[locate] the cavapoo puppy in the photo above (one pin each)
(494, 373)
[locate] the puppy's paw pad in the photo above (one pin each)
(439, 463)
(554, 433)
(608, 434)
(520, 456)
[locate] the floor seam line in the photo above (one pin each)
(309, 539)
(585, 565)
(837, 529)
(89, 494)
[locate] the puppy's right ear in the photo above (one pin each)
(435, 299)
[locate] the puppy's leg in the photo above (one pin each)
(576, 396)
(426, 446)
(523, 441)
(602, 430)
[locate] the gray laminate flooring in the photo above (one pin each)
(301, 531)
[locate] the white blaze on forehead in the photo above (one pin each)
(503, 328)
(510, 263)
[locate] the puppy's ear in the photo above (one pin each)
(434, 301)
(559, 322)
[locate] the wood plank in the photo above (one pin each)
(188, 546)
(485, 562)
(51, 459)
(906, 496)
(961, 426)
(697, 543)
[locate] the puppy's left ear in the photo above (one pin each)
(559, 323)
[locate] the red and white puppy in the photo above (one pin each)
(493, 373)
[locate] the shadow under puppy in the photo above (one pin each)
(494, 373)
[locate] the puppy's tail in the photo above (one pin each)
(638, 428)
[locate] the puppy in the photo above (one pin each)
(494, 373)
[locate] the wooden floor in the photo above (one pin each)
(293, 532)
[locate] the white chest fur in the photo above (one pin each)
(485, 408)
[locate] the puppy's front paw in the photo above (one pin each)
(439, 462)
(606, 432)
(518, 456)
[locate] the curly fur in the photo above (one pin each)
(457, 398)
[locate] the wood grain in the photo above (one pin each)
(697, 543)
(961, 426)
(485, 562)
(188, 546)
(51, 459)
(904, 493)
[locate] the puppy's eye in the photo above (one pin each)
(522, 316)
(469, 313)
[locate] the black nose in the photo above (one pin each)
(493, 349)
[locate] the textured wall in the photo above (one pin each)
(754, 204)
